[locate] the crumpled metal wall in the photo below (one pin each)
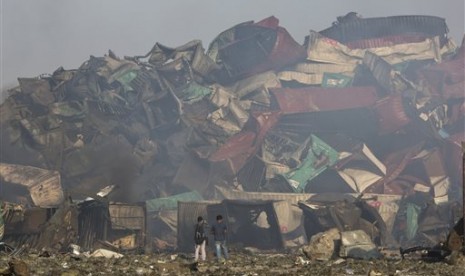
(246, 113)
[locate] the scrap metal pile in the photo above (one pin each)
(371, 105)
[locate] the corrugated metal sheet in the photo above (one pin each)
(44, 185)
(448, 78)
(290, 220)
(313, 99)
(320, 68)
(302, 78)
(240, 147)
(453, 150)
(241, 195)
(199, 61)
(391, 114)
(318, 158)
(93, 222)
(386, 41)
(286, 50)
(386, 26)
(359, 122)
(269, 22)
(192, 173)
(323, 49)
(383, 72)
(452, 69)
(126, 216)
(455, 91)
(395, 163)
(244, 87)
(252, 175)
(171, 202)
(27, 221)
(267, 45)
(361, 169)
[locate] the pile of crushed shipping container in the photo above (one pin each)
(372, 106)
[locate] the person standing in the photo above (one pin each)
(200, 239)
(219, 232)
(2, 222)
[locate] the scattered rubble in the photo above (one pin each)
(358, 245)
(243, 264)
(323, 246)
(356, 131)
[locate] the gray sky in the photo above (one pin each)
(38, 36)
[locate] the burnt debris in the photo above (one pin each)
(369, 107)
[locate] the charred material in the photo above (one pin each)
(370, 109)
(431, 254)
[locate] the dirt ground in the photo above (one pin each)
(238, 264)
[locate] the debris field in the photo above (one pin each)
(345, 144)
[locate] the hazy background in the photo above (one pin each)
(38, 36)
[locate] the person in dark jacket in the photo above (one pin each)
(200, 239)
(219, 232)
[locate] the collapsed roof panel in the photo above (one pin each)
(315, 99)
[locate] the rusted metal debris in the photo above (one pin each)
(371, 105)
(90, 224)
(44, 185)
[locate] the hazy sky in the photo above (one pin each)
(38, 36)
